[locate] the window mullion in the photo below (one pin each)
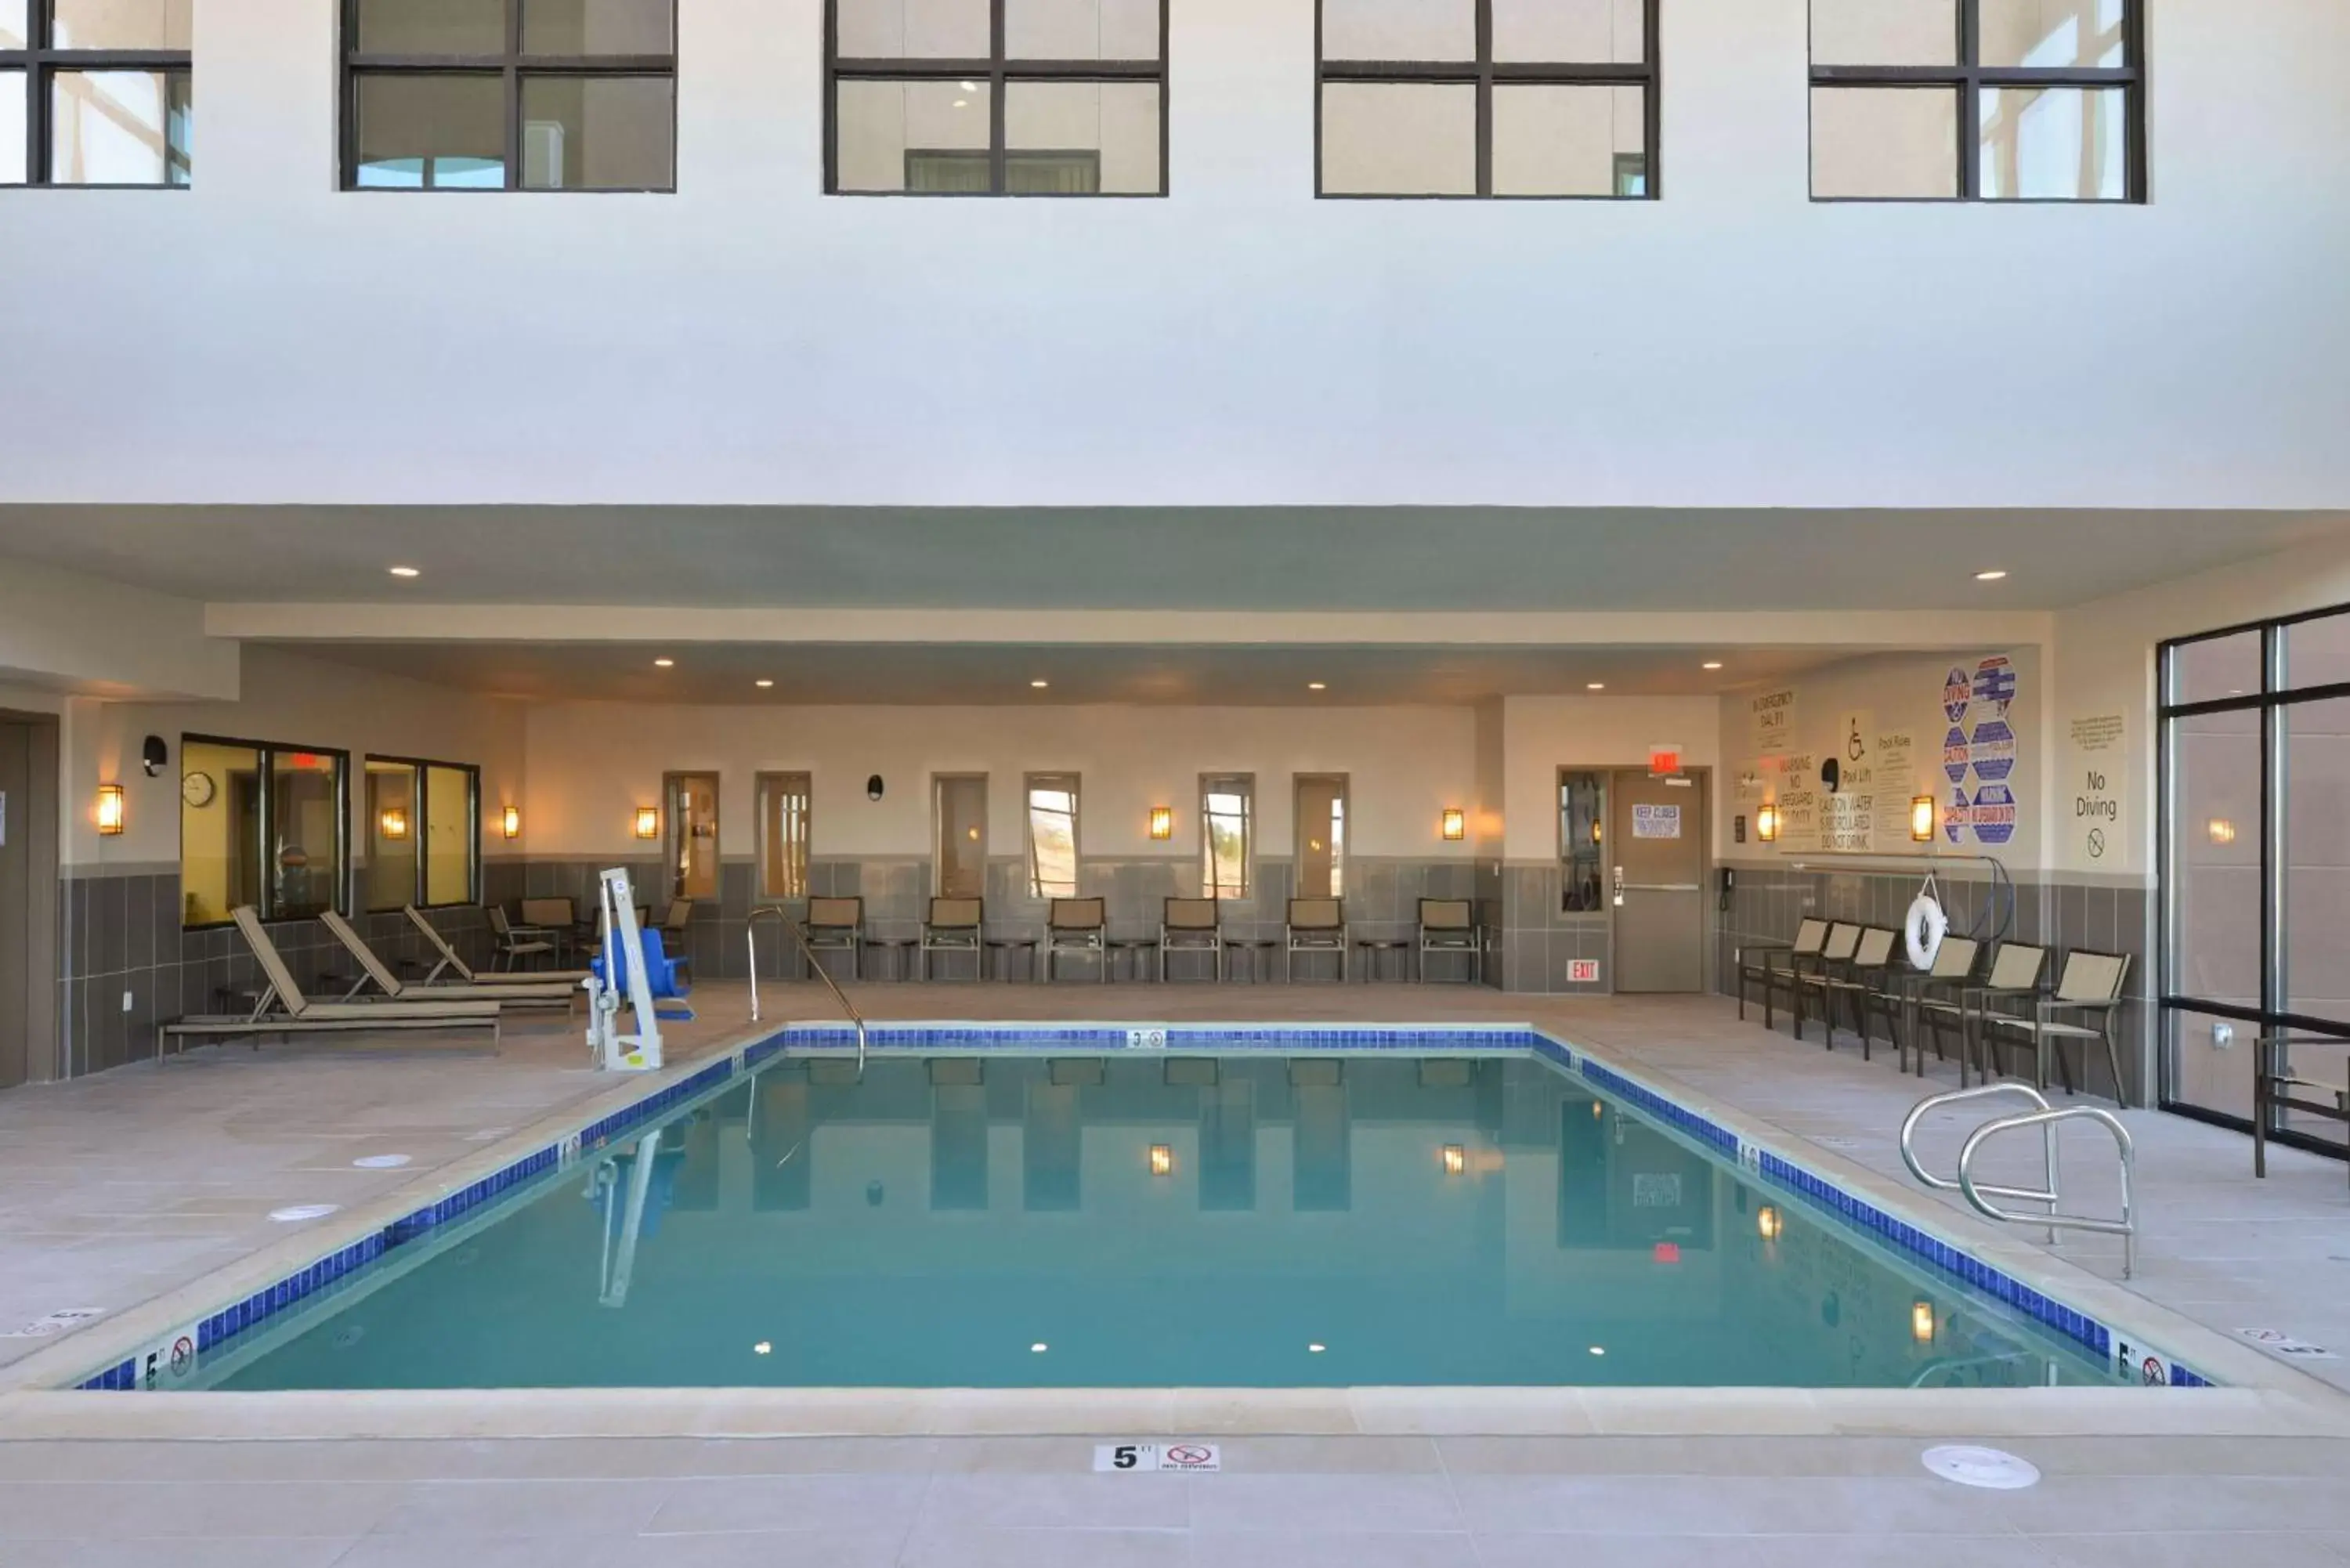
(1970, 107)
(997, 83)
(512, 87)
(1484, 97)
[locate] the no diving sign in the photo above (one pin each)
(1200, 1458)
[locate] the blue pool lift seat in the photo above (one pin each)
(661, 972)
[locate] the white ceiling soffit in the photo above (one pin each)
(1250, 559)
(941, 674)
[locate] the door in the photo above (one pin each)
(693, 834)
(1321, 830)
(16, 902)
(1656, 860)
(960, 850)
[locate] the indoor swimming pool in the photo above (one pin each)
(1049, 1216)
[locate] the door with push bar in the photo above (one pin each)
(1656, 860)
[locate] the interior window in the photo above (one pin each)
(782, 836)
(692, 834)
(1321, 835)
(1053, 836)
(960, 858)
(1227, 830)
(1582, 808)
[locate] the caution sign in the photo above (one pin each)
(1993, 748)
(1993, 817)
(1956, 755)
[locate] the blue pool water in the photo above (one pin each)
(999, 1221)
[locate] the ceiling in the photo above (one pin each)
(997, 674)
(1319, 558)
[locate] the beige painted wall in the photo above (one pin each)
(592, 765)
(291, 700)
(1543, 734)
(62, 631)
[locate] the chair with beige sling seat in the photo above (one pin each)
(1079, 926)
(1315, 926)
(284, 1009)
(472, 976)
(545, 994)
(1192, 926)
(2083, 1007)
(954, 926)
(1775, 965)
(1836, 952)
(1867, 974)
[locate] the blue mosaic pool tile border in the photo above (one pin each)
(309, 1280)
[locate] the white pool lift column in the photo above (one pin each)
(623, 953)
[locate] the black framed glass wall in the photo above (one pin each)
(995, 97)
(1995, 100)
(261, 824)
(2255, 780)
(96, 92)
(1486, 98)
(422, 830)
(509, 95)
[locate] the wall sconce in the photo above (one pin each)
(1454, 824)
(1456, 1159)
(647, 821)
(1767, 1222)
(1921, 819)
(1921, 1321)
(1162, 823)
(1162, 1160)
(109, 809)
(2220, 830)
(1766, 824)
(395, 823)
(510, 822)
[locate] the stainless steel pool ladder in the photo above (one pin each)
(1979, 1193)
(783, 918)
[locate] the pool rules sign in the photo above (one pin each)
(2096, 788)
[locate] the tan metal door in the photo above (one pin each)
(15, 903)
(1656, 860)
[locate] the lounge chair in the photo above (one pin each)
(546, 993)
(838, 925)
(282, 1009)
(953, 926)
(472, 976)
(1077, 926)
(1195, 926)
(1774, 966)
(1449, 926)
(1315, 926)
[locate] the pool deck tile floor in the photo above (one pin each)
(227, 1135)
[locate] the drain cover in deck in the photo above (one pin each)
(1992, 1468)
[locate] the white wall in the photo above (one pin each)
(2105, 663)
(291, 700)
(63, 632)
(749, 339)
(1543, 734)
(1890, 694)
(592, 765)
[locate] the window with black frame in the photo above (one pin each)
(995, 97)
(421, 826)
(261, 824)
(1993, 100)
(2255, 777)
(509, 95)
(96, 92)
(1487, 97)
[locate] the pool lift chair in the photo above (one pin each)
(625, 969)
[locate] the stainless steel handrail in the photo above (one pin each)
(2126, 1227)
(1984, 1091)
(783, 918)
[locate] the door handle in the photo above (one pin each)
(1623, 886)
(1619, 885)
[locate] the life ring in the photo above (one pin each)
(1924, 929)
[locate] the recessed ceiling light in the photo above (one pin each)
(1595, 686)
(763, 684)
(761, 1348)
(1598, 1350)
(1317, 1349)
(1039, 1348)
(663, 663)
(1713, 664)
(405, 572)
(1040, 685)
(1317, 686)
(970, 87)
(1990, 576)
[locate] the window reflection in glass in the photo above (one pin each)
(930, 136)
(437, 132)
(220, 830)
(390, 827)
(1581, 808)
(1398, 138)
(12, 151)
(1885, 143)
(1053, 836)
(145, 25)
(2054, 145)
(784, 833)
(598, 133)
(1226, 834)
(120, 127)
(1321, 835)
(452, 834)
(305, 833)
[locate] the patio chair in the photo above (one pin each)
(1315, 926)
(1192, 926)
(675, 921)
(2273, 1087)
(1449, 926)
(1077, 926)
(2015, 974)
(838, 925)
(2089, 995)
(282, 1009)
(1867, 974)
(516, 943)
(1940, 994)
(1843, 941)
(953, 926)
(466, 972)
(1775, 965)
(545, 994)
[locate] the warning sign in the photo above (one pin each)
(1994, 814)
(1993, 748)
(1847, 822)
(1199, 1459)
(1957, 816)
(1956, 754)
(2098, 762)
(1656, 821)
